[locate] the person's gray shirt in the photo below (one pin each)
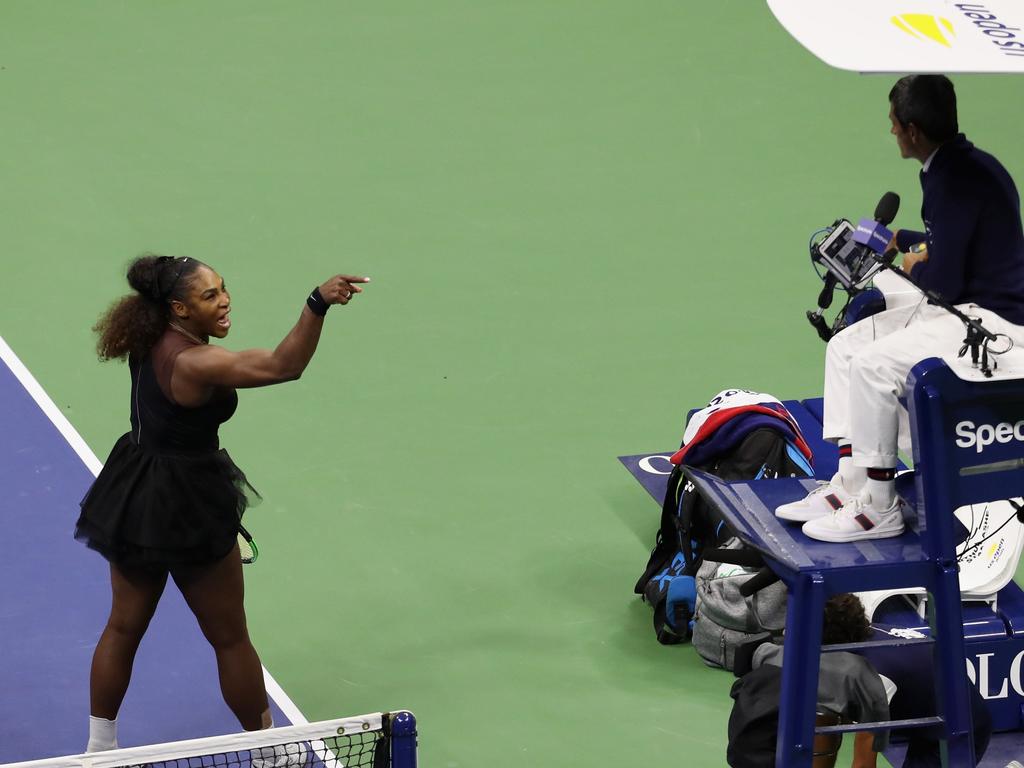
(848, 686)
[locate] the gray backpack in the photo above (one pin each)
(724, 619)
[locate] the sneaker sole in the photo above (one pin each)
(878, 532)
(800, 517)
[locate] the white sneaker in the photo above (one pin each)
(279, 756)
(857, 519)
(821, 502)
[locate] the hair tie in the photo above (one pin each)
(163, 296)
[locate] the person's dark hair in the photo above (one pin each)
(845, 621)
(927, 101)
(134, 322)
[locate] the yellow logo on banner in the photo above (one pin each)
(924, 26)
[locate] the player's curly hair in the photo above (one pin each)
(133, 323)
(845, 620)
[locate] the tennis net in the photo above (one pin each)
(380, 740)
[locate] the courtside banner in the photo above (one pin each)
(906, 36)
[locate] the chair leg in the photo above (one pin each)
(800, 662)
(945, 616)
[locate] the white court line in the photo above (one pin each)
(47, 406)
(85, 453)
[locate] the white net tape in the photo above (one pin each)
(343, 743)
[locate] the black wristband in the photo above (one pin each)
(316, 303)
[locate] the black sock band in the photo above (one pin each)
(882, 473)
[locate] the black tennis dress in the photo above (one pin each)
(168, 494)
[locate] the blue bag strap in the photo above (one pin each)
(798, 458)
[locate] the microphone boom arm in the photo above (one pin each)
(978, 336)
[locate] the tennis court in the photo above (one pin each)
(581, 220)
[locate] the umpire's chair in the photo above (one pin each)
(968, 448)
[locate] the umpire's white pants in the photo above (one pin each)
(866, 367)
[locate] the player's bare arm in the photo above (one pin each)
(201, 369)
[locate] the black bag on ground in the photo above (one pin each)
(754, 721)
(689, 525)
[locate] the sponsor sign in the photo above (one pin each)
(872, 234)
(901, 36)
(980, 436)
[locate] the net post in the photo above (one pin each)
(403, 740)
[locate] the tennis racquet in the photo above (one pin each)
(246, 546)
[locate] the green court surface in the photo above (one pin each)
(581, 219)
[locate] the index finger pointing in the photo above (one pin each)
(354, 279)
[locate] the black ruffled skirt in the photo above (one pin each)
(164, 510)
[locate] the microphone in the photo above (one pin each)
(873, 234)
(825, 297)
(853, 259)
(887, 208)
(815, 317)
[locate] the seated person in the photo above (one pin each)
(972, 254)
(850, 689)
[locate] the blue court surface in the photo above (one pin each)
(55, 596)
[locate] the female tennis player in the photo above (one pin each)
(169, 500)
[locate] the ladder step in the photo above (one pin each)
(889, 642)
(882, 725)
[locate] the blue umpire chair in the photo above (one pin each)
(968, 448)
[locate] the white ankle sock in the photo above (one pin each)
(882, 493)
(102, 734)
(852, 475)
